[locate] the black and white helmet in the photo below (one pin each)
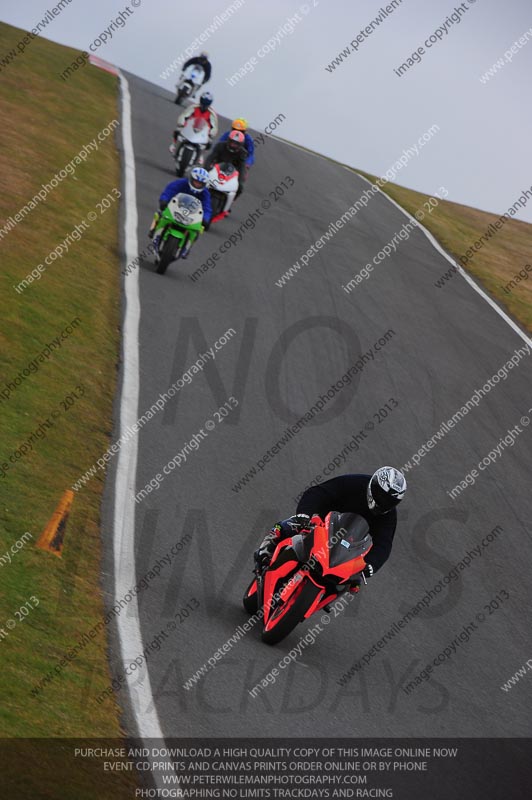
(386, 489)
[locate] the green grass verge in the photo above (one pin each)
(46, 122)
(495, 265)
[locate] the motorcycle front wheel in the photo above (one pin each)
(250, 599)
(182, 93)
(183, 160)
(288, 614)
(167, 254)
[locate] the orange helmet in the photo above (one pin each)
(239, 124)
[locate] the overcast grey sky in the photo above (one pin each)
(362, 113)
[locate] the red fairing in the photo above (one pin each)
(293, 590)
(222, 177)
(319, 603)
(274, 574)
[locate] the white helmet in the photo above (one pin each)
(198, 179)
(386, 488)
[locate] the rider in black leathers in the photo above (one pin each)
(374, 497)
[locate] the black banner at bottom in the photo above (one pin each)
(404, 769)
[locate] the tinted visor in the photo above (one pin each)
(380, 501)
(197, 184)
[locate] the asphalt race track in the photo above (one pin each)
(437, 346)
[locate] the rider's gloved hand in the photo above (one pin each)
(267, 547)
(298, 523)
(262, 557)
(355, 584)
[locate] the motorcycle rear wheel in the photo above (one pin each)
(291, 613)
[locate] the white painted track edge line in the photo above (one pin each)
(434, 242)
(437, 246)
(128, 625)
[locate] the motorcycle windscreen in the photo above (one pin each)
(226, 169)
(189, 209)
(196, 72)
(349, 537)
(198, 124)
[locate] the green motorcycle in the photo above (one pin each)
(178, 227)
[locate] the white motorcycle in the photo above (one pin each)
(191, 142)
(223, 186)
(189, 83)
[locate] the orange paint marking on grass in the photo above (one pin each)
(52, 537)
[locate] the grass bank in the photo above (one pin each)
(59, 351)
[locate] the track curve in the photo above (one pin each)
(290, 346)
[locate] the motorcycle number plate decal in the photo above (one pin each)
(344, 543)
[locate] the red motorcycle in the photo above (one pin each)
(307, 572)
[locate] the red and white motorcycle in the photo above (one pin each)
(223, 186)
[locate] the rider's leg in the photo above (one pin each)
(155, 220)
